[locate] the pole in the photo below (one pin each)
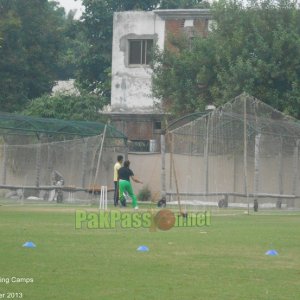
(99, 157)
(256, 165)
(280, 174)
(206, 156)
(84, 162)
(296, 166)
(176, 182)
(163, 164)
(245, 155)
(38, 164)
(4, 163)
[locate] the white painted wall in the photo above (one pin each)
(131, 86)
(224, 177)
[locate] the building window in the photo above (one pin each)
(189, 23)
(140, 52)
(157, 126)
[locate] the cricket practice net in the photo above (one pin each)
(242, 154)
(52, 168)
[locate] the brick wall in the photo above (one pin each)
(176, 28)
(201, 26)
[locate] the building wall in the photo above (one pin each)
(226, 175)
(137, 129)
(140, 127)
(131, 85)
(133, 110)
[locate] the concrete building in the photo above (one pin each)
(134, 110)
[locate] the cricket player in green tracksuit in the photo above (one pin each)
(125, 173)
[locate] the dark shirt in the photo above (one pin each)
(125, 173)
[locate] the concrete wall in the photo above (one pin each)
(131, 85)
(226, 174)
(147, 167)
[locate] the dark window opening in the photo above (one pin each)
(157, 125)
(140, 52)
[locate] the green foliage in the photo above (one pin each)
(182, 79)
(39, 44)
(32, 40)
(253, 49)
(74, 43)
(84, 107)
(144, 194)
(259, 50)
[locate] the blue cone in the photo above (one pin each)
(142, 248)
(272, 252)
(29, 245)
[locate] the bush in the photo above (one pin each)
(144, 194)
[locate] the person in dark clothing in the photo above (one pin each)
(125, 174)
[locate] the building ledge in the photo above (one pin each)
(124, 110)
(183, 13)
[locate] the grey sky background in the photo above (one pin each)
(72, 4)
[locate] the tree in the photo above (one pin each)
(182, 79)
(73, 45)
(12, 60)
(32, 40)
(260, 52)
(253, 49)
(66, 106)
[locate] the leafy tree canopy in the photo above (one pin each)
(31, 42)
(253, 49)
(66, 106)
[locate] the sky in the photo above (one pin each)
(72, 4)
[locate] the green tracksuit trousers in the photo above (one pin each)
(125, 186)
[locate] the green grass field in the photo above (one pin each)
(223, 261)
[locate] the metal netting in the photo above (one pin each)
(78, 166)
(58, 161)
(242, 151)
(20, 125)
